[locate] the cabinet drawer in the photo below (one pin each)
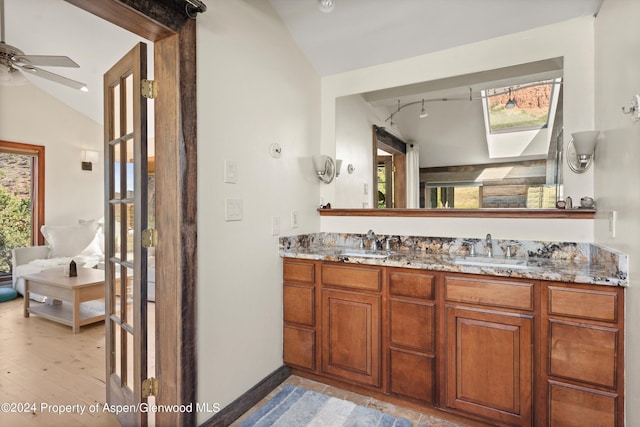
(408, 284)
(508, 294)
(299, 347)
(412, 375)
(299, 303)
(297, 271)
(583, 303)
(583, 352)
(578, 406)
(412, 324)
(351, 277)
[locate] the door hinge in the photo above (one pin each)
(149, 387)
(149, 88)
(149, 238)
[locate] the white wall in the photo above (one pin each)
(572, 40)
(616, 171)
(254, 88)
(31, 116)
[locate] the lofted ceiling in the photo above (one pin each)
(357, 33)
(361, 33)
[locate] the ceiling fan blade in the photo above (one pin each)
(53, 77)
(46, 61)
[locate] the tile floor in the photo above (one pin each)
(417, 418)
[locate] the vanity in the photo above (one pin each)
(536, 338)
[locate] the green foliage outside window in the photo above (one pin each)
(15, 226)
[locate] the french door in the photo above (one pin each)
(126, 214)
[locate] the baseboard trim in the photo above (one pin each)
(242, 404)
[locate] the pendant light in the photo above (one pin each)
(423, 112)
(511, 103)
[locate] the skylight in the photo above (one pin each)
(529, 104)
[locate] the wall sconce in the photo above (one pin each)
(88, 158)
(581, 149)
(326, 168)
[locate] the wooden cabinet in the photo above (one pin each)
(299, 312)
(582, 350)
(500, 350)
(351, 323)
(412, 333)
(489, 348)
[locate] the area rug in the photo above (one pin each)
(298, 407)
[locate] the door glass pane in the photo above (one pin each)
(117, 247)
(115, 91)
(116, 169)
(130, 176)
(117, 348)
(129, 377)
(129, 231)
(129, 103)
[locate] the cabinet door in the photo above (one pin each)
(489, 364)
(351, 336)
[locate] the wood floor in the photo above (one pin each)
(43, 364)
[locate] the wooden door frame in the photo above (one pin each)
(174, 37)
(393, 145)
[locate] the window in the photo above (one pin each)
(21, 200)
(530, 106)
(461, 196)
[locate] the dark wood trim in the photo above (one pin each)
(466, 213)
(187, 162)
(37, 184)
(248, 400)
(152, 20)
(389, 140)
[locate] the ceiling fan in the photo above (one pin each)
(13, 60)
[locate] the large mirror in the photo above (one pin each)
(491, 139)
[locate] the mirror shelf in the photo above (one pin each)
(466, 213)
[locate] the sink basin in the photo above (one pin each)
(363, 253)
(484, 261)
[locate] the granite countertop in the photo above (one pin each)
(553, 261)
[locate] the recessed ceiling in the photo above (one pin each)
(362, 33)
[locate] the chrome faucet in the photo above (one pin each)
(373, 241)
(489, 245)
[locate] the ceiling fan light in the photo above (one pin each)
(11, 77)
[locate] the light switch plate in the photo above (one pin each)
(233, 209)
(230, 171)
(295, 219)
(275, 225)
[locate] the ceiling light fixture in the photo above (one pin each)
(326, 6)
(511, 103)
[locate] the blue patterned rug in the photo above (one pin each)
(298, 407)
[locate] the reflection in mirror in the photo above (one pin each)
(491, 139)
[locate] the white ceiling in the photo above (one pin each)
(54, 27)
(358, 33)
(361, 33)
